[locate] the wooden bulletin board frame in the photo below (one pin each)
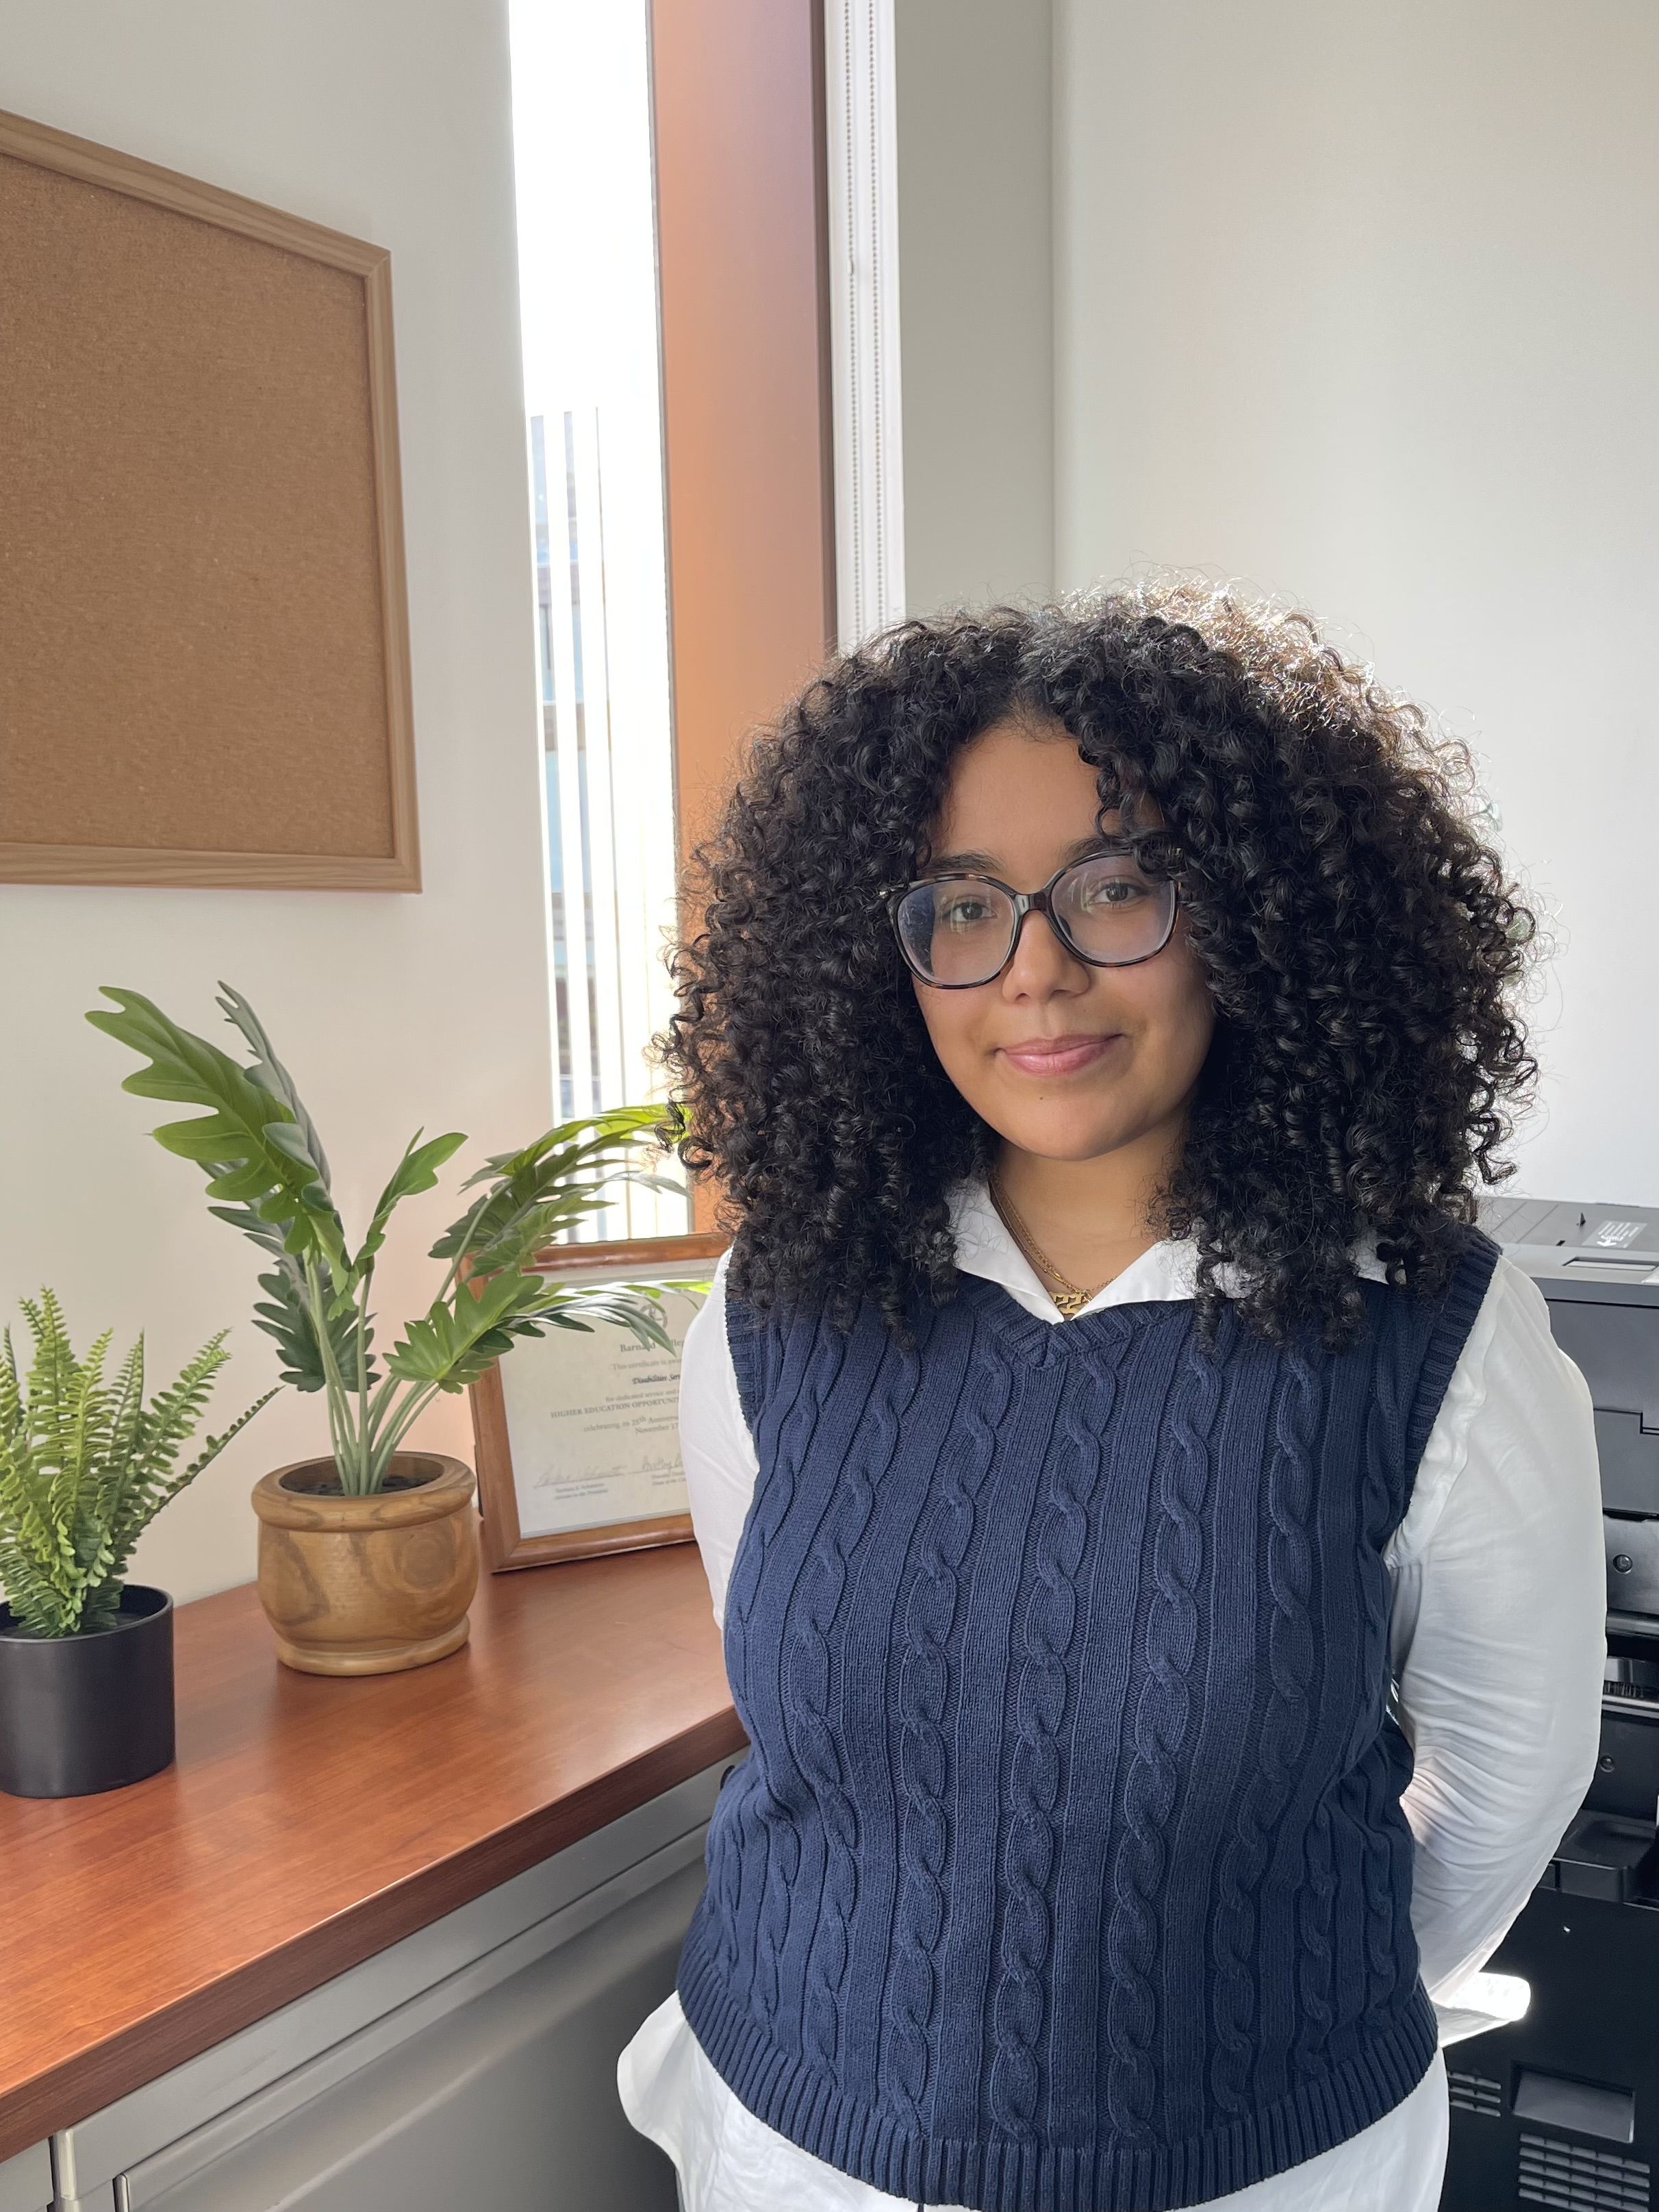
(36, 858)
(637, 1259)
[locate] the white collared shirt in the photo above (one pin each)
(1498, 1644)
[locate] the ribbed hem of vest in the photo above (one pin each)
(1006, 2175)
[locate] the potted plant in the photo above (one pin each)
(86, 1657)
(368, 1555)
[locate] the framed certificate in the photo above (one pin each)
(577, 1434)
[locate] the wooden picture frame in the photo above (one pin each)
(204, 662)
(501, 1489)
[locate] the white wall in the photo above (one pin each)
(1359, 304)
(976, 363)
(391, 121)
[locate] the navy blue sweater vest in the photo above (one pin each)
(1068, 1872)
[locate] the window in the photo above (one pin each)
(587, 281)
(673, 226)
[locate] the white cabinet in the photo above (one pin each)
(472, 2064)
(26, 2180)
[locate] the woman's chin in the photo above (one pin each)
(1061, 1133)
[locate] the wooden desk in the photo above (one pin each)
(308, 1822)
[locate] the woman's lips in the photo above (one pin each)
(1057, 1055)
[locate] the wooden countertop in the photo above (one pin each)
(309, 1821)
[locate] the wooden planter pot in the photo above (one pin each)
(368, 1585)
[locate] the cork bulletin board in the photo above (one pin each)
(204, 637)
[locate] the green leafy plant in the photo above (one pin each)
(266, 1168)
(85, 1466)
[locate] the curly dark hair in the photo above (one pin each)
(1361, 944)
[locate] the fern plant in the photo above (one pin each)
(85, 1466)
(266, 1168)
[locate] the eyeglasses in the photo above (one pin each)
(956, 930)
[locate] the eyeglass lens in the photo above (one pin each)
(960, 930)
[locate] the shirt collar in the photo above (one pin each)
(1167, 1269)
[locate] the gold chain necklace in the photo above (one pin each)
(1071, 1298)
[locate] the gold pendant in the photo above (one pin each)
(1070, 1302)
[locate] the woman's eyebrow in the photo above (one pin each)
(989, 863)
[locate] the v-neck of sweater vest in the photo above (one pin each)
(1107, 1333)
(1042, 1342)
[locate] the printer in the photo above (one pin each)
(1561, 2106)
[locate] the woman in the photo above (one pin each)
(1156, 1538)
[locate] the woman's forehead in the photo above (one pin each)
(1023, 772)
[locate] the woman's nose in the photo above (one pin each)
(1040, 960)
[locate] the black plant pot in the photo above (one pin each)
(84, 1713)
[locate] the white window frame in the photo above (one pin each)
(862, 141)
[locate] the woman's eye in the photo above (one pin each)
(1116, 891)
(963, 912)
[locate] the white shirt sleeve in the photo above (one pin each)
(716, 1449)
(1497, 1641)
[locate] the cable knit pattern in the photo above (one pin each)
(1163, 1714)
(1316, 1892)
(1288, 1564)
(1036, 1776)
(924, 1759)
(800, 1415)
(1362, 1795)
(1068, 1873)
(808, 1663)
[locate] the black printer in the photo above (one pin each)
(1562, 2106)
